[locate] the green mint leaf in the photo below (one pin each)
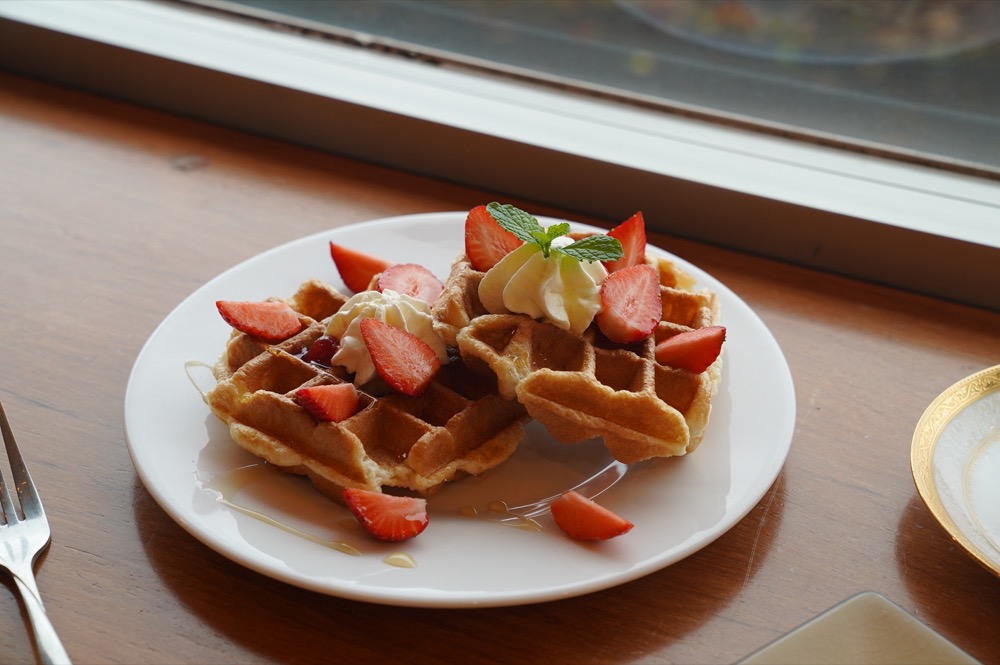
(515, 220)
(528, 229)
(595, 248)
(556, 231)
(541, 238)
(545, 238)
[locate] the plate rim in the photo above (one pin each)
(932, 423)
(467, 598)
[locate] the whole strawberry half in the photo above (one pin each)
(413, 280)
(403, 360)
(630, 304)
(486, 242)
(329, 403)
(386, 517)
(632, 235)
(270, 320)
(356, 268)
(693, 350)
(581, 518)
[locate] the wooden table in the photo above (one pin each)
(112, 214)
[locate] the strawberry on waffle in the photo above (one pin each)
(411, 383)
(641, 376)
(272, 393)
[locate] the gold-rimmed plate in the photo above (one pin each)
(955, 459)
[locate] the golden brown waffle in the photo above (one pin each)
(458, 426)
(459, 302)
(584, 386)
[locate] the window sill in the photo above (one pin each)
(902, 225)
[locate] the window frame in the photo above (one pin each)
(900, 224)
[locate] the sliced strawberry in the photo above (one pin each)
(693, 350)
(322, 350)
(334, 402)
(413, 280)
(630, 304)
(632, 235)
(486, 242)
(355, 268)
(401, 358)
(386, 517)
(271, 320)
(582, 519)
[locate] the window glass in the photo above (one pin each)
(912, 78)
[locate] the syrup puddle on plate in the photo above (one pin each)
(239, 487)
(228, 484)
(513, 520)
(400, 560)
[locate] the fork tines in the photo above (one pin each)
(31, 506)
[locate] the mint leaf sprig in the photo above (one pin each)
(527, 228)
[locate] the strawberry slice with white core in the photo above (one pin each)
(356, 268)
(413, 280)
(630, 304)
(632, 235)
(387, 517)
(486, 242)
(329, 403)
(270, 320)
(693, 350)
(403, 360)
(581, 518)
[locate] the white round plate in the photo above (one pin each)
(280, 526)
(955, 460)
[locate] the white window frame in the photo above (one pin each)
(901, 224)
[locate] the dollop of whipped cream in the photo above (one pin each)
(397, 309)
(558, 288)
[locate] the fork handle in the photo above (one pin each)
(50, 648)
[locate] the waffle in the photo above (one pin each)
(458, 426)
(585, 386)
(459, 302)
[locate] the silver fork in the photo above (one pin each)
(22, 538)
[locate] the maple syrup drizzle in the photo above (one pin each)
(523, 523)
(400, 560)
(228, 484)
(499, 507)
(511, 519)
(188, 369)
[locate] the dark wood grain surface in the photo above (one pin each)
(112, 214)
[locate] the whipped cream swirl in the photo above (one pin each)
(397, 309)
(558, 288)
